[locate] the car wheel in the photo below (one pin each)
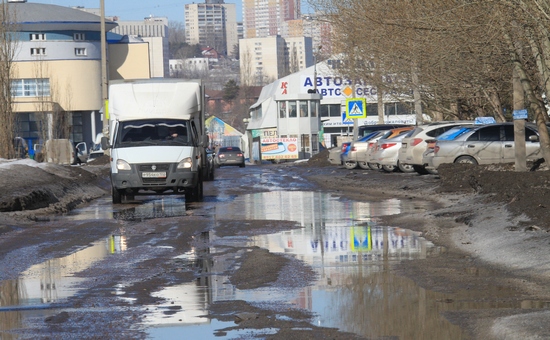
(350, 165)
(364, 165)
(241, 165)
(420, 169)
(466, 160)
(373, 166)
(389, 168)
(406, 168)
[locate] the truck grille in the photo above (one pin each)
(158, 167)
(154, 168)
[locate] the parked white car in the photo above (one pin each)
(371, 156)
(356, 155)
(414, 143)
(387, 154)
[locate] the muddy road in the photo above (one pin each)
(273, 251)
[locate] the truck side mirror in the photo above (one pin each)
(105, 143)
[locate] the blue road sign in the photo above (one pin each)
(356, 108)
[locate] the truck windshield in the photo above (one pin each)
(153, 132)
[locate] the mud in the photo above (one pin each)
(492, 220)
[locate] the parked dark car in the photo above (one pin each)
(229, 155)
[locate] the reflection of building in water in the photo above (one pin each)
(346, 244)
(54, 279)
(305, 207)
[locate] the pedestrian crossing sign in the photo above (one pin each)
(356, 108)
(360, 239)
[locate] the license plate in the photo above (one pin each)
(157, 174)
(404, 145)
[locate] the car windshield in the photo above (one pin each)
(153, 132)
(369, 136)
(454, 132)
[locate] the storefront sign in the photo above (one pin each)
(279, 148)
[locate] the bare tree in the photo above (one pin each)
(246, 67)
(8, 46)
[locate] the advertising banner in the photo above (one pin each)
(279, 148)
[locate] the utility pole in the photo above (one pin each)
(104, 79)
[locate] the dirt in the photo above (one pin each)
(490, 218)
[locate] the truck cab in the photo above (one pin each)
(157, 138)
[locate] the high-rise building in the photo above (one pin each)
(263, 18)
(263, 60)
(213, 23)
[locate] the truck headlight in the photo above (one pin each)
(122, 165)
(185, 163)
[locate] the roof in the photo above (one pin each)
(32, 17)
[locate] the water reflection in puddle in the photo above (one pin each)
(53, 281)
(355, 290)
(142, 208)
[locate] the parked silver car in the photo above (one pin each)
(356, 155)
(414, 143)
(481, 144)
(387, 154)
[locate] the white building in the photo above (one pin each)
(275, 114)
(181, 67)
(263, 60)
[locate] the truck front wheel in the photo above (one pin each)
(117, 197)
(195, 194)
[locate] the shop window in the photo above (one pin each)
(292, 109)
(305, 143)
(282, 109)
(303, 109)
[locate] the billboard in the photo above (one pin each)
(279, 148)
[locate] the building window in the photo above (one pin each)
(282, 109)
(79, 36)
(305, 143)
(38, 51)
(372, 109)
(292, 109)
(30, 87)
(37, 36)
(330, 110)
(79, 51)
(303, 109)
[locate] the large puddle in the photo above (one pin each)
(356, 290)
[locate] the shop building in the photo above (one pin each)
(314, 113)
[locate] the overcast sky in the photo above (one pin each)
(137, 9)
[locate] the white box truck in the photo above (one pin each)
(157, 138)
